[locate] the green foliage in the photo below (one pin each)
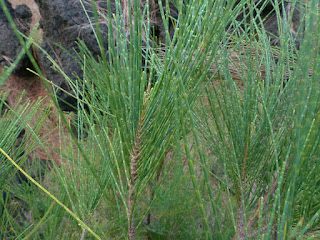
(15, 141)
(177, 148)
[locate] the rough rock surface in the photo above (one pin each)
(9, 44)
(271, 22)
(63, 24)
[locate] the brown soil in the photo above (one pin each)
(31, 88)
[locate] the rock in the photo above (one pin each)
(9, 44)
(23, 12)
(268, 14)
(64, 23)
(271, 24)
(157, 27)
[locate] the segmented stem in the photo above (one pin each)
(133, 169)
